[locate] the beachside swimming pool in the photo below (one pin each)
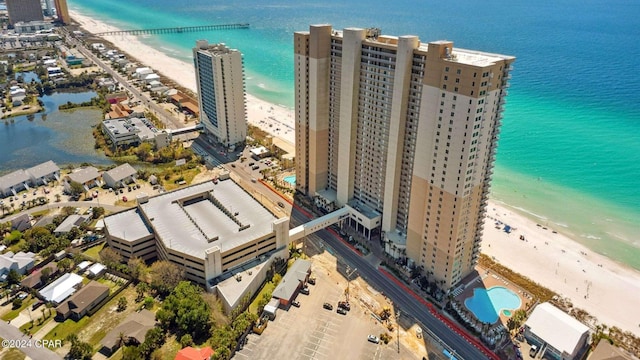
(487, 304)
(291, 179)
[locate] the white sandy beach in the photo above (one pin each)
(602, 287)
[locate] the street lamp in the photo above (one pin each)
(349, 273)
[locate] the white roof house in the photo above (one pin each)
(96, 269)
(88, 176)
(44, 172)
(556, 332)
(70, 222)
(62, 288)
(119, 176)
(14, 182)
(83, 265)
(20, 262)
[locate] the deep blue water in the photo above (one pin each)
(570, 147)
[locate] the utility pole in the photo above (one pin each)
(398, 328)
(349, 273)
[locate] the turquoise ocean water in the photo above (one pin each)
(569, 152)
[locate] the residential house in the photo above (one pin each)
(88, 176)
(34, 280)
(41, 174)
(83, 301)
(20, 262)
(70, 222)
(190, 353)
(62, 288)
(133, 329)
(120, 176)
(557, 334)
(22, 222)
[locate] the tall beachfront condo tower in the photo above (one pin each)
(220, 80)
(24, 10)
(404, 133)
(62, 11)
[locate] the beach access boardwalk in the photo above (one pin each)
(179, 29)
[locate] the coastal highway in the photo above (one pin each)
(401, 299)
(164, 116)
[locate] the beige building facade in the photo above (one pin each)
(221, 92)
(24, 11)
(62, 10)
(404, 133)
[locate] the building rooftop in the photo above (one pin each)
(199, 217)
(60, 289)
(84, 175)
(555, 327)
(15, 178)
(70, 222)
(190, 353)
(121, 172)
(127, 225)
(291, 280)
(83, 298)
(134, 326)
(606, 351)
(44, 169)
(143, 128)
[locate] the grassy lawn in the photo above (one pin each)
(13, 354)
(17, 246)
(169, 349)
(93, 252)
(187, 174)
(268, 287)
(36, 324)
(40, 213)
(14, 313)
(94, 328)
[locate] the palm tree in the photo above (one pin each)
(122, 338)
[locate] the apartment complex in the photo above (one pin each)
(405, 134)
(220, 80)
(206, 229)
(62, 11)
(24, 11)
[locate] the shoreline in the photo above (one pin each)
(592, 281)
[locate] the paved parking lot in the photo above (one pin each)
(312, 332)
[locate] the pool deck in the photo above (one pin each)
(481, 278)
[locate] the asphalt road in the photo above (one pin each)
(31, 347)
(405, 302)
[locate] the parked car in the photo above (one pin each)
(374, 339)
(295, 303)
(37, 305)
(312, 281)
(281, 204)
(124, 198)
(327, 306)
(304, 290)
(344, 305)
(341, 311)
(255, 167)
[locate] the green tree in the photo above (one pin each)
(98, 212)
(185, 310)
(79, 350)
(17, 302)
(110, 258)
(165, 276)
(137, 268)
(148, 303)
(13, 277)
(186, 340)
(122, 304)
(13, 238)
(76, 189)
(45, 275)
(65, 264)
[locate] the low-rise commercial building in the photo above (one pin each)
(129, 131)
(292, 281)
(557, 334)
(206, 229)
